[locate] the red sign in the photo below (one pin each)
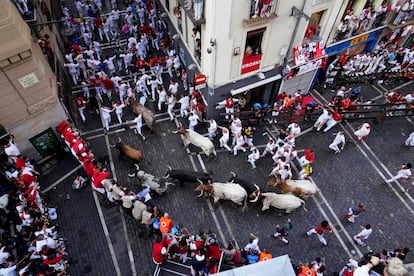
(251, 63)
(200, 79)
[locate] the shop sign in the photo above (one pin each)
(251, 63)
(359, 39)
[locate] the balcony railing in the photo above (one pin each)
(195, 11)
(261, 11)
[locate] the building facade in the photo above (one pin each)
(29, 103)
(263, 46)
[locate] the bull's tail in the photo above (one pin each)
(244, 203)
(318, 193)
(304, 208)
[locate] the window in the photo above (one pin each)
(253, 51)
(312, 31)
(262, 8)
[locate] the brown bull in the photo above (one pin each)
(302, 188)
(128, 151)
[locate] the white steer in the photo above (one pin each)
(225, 191)
(280, 201)
(198, 140)
(157, 184)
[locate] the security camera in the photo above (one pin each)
(209, 50)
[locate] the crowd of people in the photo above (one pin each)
(385, 57)
(29, 229)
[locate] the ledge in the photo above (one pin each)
(258, 20)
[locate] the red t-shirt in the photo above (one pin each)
(310, 156)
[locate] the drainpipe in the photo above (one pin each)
(285, 60)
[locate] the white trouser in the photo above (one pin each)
(229, 110)
(237, 147)
(82, 113)
(330, 124)
(334, 146)
(251, 160)
(223, 143)
(170, 111)
(320, 237)
(119, 116)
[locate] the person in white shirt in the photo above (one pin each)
(173, 88)
(106, 116)
(138, 122)
(153, 82)
(362, 236)
(253, 157)
(253, 244)
(177, 65)
(224, 138)
(169, 63)
(338, 140)
(403, 173)
(212, 129)
(11, 150)
(109, 61)
(185, 104)
(410, 140)
(119, 111)
(170, 106)
(294, 129)
(239, 143)
(162, 97)
(193, 120)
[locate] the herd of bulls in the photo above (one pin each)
(234, 189)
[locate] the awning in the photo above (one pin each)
(256, 84)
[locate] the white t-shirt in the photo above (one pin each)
(253, 246)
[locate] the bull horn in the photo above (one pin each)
(112, 146)
(257, 197)
(199, 181)
(201, 194)
(175, 131)
(136, 166)
(257, 187)
(131, 174)
(233, 174)
(169, 168)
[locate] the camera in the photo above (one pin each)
(209, 50)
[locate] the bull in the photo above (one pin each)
(279, 201)
(146, 113)
(128, 151)
(225, 191)
(186, 176)
(157, 184)
(250, 188)
(198, 140)
(302, 188)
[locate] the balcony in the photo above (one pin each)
(354, 25)
(188, 7)
(261, 11)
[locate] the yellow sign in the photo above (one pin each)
(359, 39)
(28, 80)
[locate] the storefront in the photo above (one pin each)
(362, 43)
